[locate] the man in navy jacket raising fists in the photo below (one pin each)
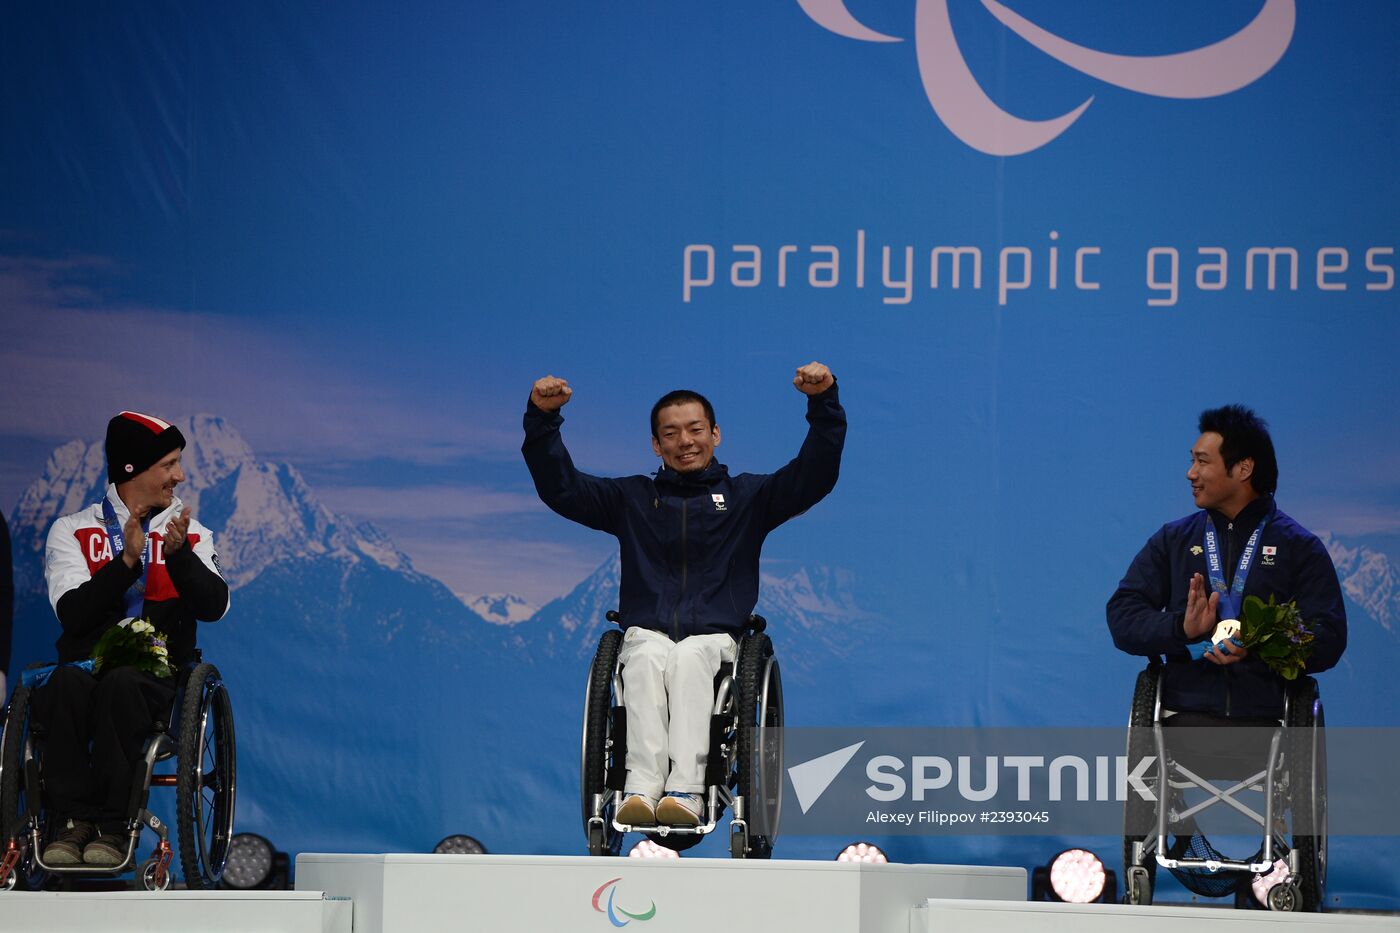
(690, 538)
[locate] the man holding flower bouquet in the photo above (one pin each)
(1239, 597)
(129, 578)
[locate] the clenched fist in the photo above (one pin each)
(813, 379)
(550, 393)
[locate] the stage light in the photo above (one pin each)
(1262, 883)
(1075, 876)
(254, 863)
(458, 844)
(648, 849)
(862, 852)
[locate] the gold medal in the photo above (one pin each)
(1227, 628)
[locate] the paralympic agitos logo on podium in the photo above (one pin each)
(617, 915)
(1210, 71)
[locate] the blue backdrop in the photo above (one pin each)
(1033, 241)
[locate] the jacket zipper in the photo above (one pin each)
(685, 570)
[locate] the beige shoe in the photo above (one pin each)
(678, 809)
(105, 851)
(637, 810)
(67, 849)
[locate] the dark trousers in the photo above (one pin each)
(114, 715)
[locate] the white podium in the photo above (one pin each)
(530, 894)
(184, 911)
(971, 916)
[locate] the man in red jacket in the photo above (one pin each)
(138, 554)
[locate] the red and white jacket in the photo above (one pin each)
(87, 587)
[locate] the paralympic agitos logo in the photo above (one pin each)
(1210, 71)
(615, 913)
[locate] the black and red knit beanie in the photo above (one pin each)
(135, 442)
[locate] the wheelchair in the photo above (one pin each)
(1291, 780)
(743, 772)
(198, 735)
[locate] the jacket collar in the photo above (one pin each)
(1250, 516)
(713, 472)
(122, 513)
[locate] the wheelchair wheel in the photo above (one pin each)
(206, 779)
(598, 747)
(1307, 744)
(1137, 886)
(147, 873)
(1139, 879)
(14, 803)
(759, 758)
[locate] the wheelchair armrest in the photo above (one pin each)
(612, 615)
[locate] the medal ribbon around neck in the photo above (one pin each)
(1231, 596)
(135, 596)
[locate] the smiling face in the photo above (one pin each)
(685, 440)
(1213, 486)
(154, 487)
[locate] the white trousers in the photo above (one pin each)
(668, 689)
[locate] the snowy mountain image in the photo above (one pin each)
(364, 686)
(500, 608)
(258, 511)
(1369, 579)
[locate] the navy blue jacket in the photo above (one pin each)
(1147, 614)
(689, 543)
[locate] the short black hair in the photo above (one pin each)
(680, 397)
(1244, 435)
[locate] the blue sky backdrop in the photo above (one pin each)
(358, 231)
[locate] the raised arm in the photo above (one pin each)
(806, 480)
(588, 500)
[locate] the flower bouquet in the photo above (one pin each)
(1276, 634)
(132, 643)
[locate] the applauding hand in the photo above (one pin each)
(175, 531)
(135, 540)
